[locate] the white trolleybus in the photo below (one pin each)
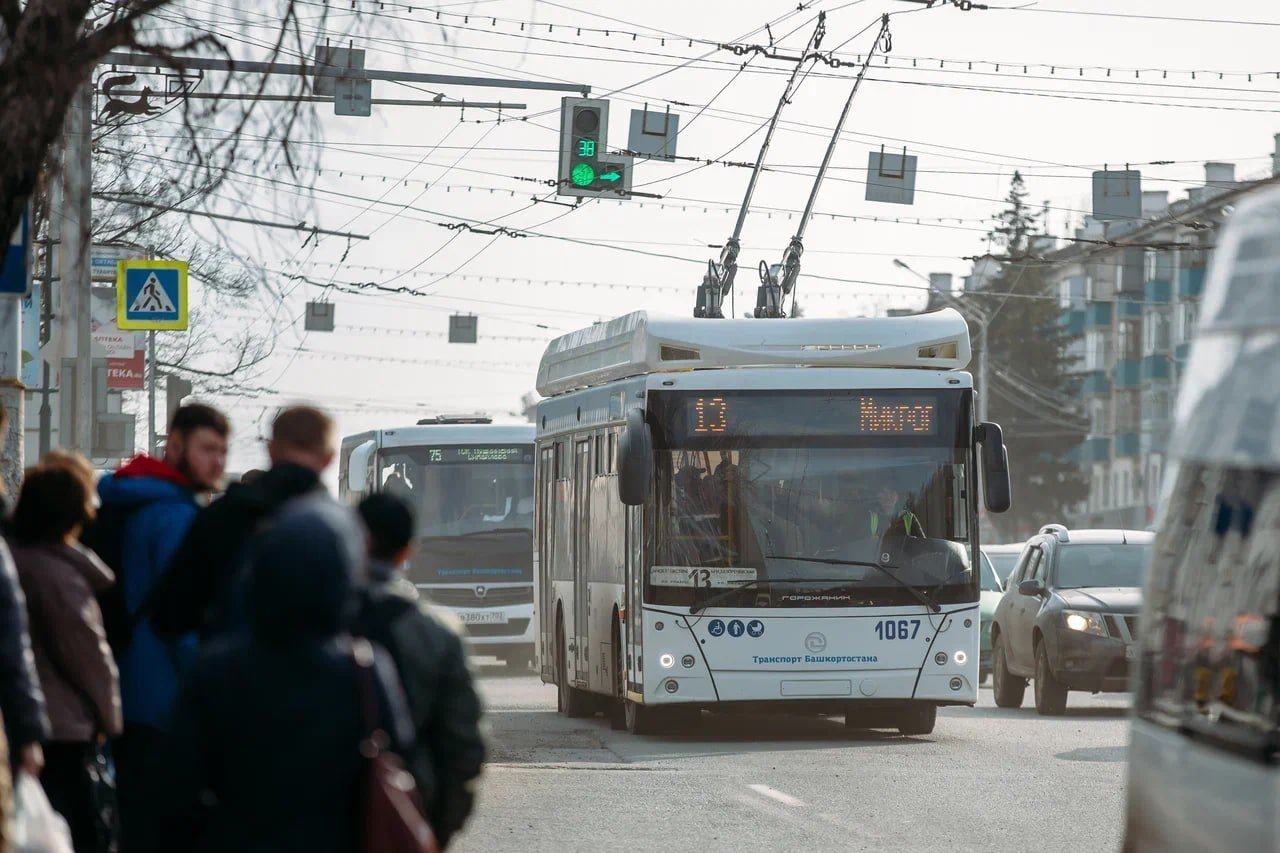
(762, 514)
(471, 485)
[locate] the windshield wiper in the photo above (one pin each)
(698, 606)
(919, 594)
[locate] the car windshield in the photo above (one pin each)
(1096, 565)
(1004, 564)
(990, 583)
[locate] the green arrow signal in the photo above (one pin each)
(611, 177)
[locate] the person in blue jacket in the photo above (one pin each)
(147, 506)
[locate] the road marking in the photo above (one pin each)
(774, 794)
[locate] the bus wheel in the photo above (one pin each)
(918, 721)
(570, 701)
(643, 719)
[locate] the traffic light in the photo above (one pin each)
(586, 170)
(176, 389)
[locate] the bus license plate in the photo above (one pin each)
(482, 617)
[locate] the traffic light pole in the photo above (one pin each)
(776, 284)
(719, 278)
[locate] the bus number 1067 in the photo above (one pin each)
(898, 629)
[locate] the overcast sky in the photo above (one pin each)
(388, 362)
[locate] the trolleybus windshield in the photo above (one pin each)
(758, 486)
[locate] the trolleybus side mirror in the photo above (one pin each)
(996, 491)
(358, 468)
(635, 459)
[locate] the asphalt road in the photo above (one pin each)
(987, 779)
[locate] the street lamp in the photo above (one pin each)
(981, 319)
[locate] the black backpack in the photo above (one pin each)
(105, 537)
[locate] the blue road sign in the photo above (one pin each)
(151, 295)
(14, 280)
(715, 627)
(755, 628)
(736, 628)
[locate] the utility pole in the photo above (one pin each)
(718, 281)
(12, 393)
(73, 269)
(151, 381)
(777, 282)
(53, 237)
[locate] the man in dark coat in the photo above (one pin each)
(203, 590)
(432, 664)
(268, 728)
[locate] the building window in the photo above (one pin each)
(1097, 355)
(1188, 314)
(1129, 340)
(1157, 327)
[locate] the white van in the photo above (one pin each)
(1203, 772)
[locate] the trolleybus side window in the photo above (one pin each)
(1211, 662)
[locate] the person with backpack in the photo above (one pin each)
(203, 591)
(146, 508)
(270, 733)
(432, 663)
(77, 671)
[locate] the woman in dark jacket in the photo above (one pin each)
(77, 672)
(269, 726)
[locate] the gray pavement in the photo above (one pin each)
(987, 779)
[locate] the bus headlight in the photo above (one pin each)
(667, 661)
(1086, 622)
(961, 657)
(687, 661)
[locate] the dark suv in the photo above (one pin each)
(1069, 616)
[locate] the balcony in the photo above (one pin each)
(1129, 309)
(1190, 282)
(1156, 367)
(1128, 373)
(1158, 290)
(1072, 323)
(1096, 449)
(1097, 314)
(1127, 444)
(1095, 382)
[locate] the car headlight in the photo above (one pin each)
(1086, 622)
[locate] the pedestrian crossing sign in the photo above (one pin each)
(151, 295)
